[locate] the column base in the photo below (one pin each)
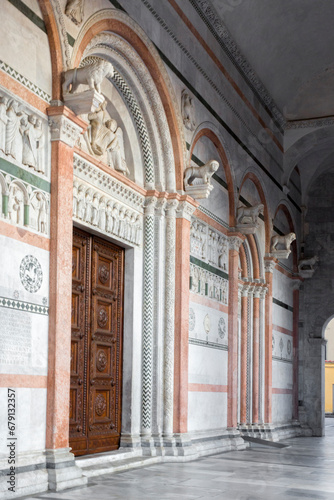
(30, 475)
(62, 470)
(274, 432)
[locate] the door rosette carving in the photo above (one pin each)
(100, 405)
(102, 317)
(101, 360)
(103, 273)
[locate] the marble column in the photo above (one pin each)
(243, 354)
(269, 264)
(256, 353)
(263, 292)
(185, 210)
(233, 272)
(295, 348)
(65, 129)
(148, 317)
(169, 318)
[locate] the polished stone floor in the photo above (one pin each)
(303, 470)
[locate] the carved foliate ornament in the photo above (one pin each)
(75, 10)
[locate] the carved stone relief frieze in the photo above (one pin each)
(105, 182)
(99, 210)
(23, 135)
(208, 284)
(21, 204)
(208, 245)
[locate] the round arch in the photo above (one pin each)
(252, 177)
(120, 24)
(213, 137)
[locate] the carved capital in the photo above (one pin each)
(235, 243)
(185, 210)
(63, 129)
(269, 265)
(257, 291)
(149, 205)
(251, 290)
(160, 206)
(171, 208)
(245, 289)
(263, 292)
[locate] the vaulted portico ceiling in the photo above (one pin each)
(284, 48)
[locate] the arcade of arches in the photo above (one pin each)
(167, 235)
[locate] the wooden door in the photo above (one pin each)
(96, 347)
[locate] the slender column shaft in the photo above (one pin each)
(232, 398)
(169, 318)
(148, 317)
(295, 352)
(256, 355)
(269, 267)
(243, 356)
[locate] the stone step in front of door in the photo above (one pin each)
(107, 457)
(110, 467)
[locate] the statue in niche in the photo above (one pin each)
(3, 122)
(75, 10)
(95, 210)
(188, 110)
(102, 214)
(29, 150)
(121, 222)
(109, 218)
(16, 205)
(115, 216)
(12, 129)
(42, 208)
(75, 199)
(138, 230)
(81, 203)
(39, 146)
(88, 208)
(132, 236)
(92, 75)
(222, 247)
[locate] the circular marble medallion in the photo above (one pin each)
(31, 274)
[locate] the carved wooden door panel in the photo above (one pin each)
(97, 318)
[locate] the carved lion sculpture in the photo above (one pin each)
(91, 75)
(204, 172)
(285, 240)
(308, 263)
(249, 214)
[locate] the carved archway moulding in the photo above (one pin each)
(210, 134)
(119, 23)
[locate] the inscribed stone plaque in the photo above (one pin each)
(15, 337)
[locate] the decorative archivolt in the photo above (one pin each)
(24, 205)
(143, 90)
(101, 211)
